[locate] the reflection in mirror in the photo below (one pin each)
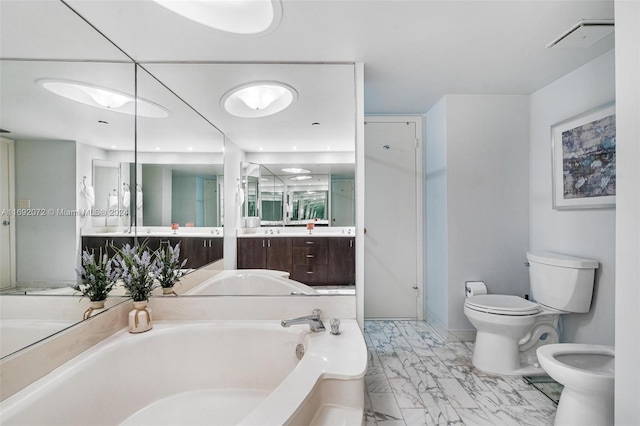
(58, 186)
(251, 188)
(180, 165)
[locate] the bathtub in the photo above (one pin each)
(257, 282)
(204, 372)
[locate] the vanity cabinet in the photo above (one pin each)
(264, 253)
(198, 251)
(309, 260)
(342, 261)
(113, 244)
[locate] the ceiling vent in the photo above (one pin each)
(583, 34)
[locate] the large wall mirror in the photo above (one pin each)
(59, 133)
(90, 167)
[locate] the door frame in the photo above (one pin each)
(12, 227)
(419, 164)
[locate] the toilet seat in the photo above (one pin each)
(500, 304)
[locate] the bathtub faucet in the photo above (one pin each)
(314, 321)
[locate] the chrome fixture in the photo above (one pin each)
(314, 321)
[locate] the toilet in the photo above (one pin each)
(587, 373)
(510, 328)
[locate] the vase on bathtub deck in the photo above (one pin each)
(140, 319)
(94, 306)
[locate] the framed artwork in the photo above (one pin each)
(584, 160)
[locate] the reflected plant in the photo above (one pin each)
(97, 276)
(169, 265)
(137, 271)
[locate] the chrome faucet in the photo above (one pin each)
(314, 321)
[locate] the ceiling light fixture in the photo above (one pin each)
(103, 98)
(301, 177)
(258, 99)
(245, 17)
(295, 170)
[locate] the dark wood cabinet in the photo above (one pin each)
(198, 251)
(264, 253)
(342, 261)
(97, 245)
(310, 260)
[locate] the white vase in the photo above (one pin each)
(93, 307)
(140, 319)
(169, 290)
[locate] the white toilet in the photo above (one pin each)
(587, 373)
(510, 328)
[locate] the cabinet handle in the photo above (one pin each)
(310, 255)
(204, 243)
(311, 242)
(262, 243)
(209, 243)
(310, 272)
(268, 243)
(350, 243)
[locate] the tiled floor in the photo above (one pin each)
(415, 378)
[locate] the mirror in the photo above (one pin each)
(180, 163)
(53, 143)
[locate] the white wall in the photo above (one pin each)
(487, 202)
(627, 315)
(486, 214)
(585, 233)
(435, 259)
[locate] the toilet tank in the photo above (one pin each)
(562, 282)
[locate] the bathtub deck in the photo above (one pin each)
(210, 407)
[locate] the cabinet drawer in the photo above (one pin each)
(309, 242)
(310, 256)
(310, 274)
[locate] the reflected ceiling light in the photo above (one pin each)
(301, 177)
(246, 17)
(295, 170)
(258, 99)
(103, 98)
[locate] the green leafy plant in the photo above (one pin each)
(169, 265)
(138, 271)
(97, 276)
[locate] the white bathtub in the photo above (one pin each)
(209, 372)
(257, 282)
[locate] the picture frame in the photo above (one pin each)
(584, 160)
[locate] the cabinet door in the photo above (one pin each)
(113, 244)
(251, 253)
(342, 261)
(195, 250)
(216, 249)
(279, 254)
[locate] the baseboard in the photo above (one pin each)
(450, 335)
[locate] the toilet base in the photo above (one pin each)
(584, 408)
(497, 354)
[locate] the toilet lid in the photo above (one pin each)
(502, 304)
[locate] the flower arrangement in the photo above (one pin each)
(138, 271)
(97, 276)
(169, 266)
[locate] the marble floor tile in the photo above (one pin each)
(414, 377)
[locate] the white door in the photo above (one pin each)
(6, 234)
(391, 233)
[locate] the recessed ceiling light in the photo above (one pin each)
(258, 99)
(295, 170)
(260, 148)
(294, 148)
(247, 17)
(190, 148)
(113, 146)
(101, 97)
(157, 148)
(301, 177)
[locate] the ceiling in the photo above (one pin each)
(414, 52)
